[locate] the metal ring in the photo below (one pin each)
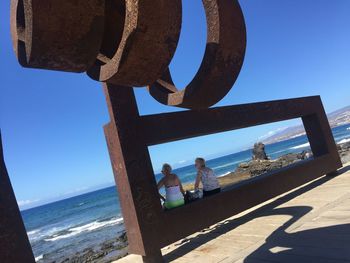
(57, 34)
(222, 61)
(140, 55)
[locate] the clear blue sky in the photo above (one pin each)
(52, 122)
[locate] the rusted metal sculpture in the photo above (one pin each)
(56, 34)
(138, 53)
(149, 227)
(14, 243)
(222, 61)
(127, 43)
(130, 43)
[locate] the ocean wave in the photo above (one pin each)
(228, 164)
(339, 138)
(32, 232)
(84, 228)
(222, 175)
(344, 141)
(36, 234)
(348, 128)
(304, 145)
(272, 153)
(39, 258)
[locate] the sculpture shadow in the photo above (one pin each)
(324, 244)
(279, 238)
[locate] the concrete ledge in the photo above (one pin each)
(309, 224)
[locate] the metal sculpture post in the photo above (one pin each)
(130, 43)
(14, 244)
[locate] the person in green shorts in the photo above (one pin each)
(174, 193)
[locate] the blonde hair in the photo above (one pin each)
(201, 161)
(167, 167)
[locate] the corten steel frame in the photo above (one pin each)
(128, 135)
(131, 43)
(14, 243)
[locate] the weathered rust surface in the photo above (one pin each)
(57, 34)
(222, 61)
(165, 127)
(139, 132)
(131, 43)
(14, 243)
(142, 53)
(133, 172)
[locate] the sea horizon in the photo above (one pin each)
(94, 219)
(88, 191)
(244, 149)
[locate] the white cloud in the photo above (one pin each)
(22, 203)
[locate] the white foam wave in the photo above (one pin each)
(85, 228)
(222, 175)
(344, 141)
(339, 138)
(39, 258)
(304, 145)
(348, 128)
(95, 225)
(58, 237)
(32, 232)
(36, 234)
(228, 164)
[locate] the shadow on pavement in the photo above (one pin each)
(281, 246)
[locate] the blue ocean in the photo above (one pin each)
(63, 228)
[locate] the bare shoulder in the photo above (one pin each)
(175, 176)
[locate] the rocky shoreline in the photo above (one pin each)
(112, 250)
(344, 152)
(261, 164)
(108, 251)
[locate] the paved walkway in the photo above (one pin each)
(309, 224)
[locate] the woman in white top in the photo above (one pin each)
(173, 188)
(207, 177)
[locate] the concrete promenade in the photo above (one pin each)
(308, 224)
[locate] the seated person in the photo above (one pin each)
(207, 177)
(174, 193)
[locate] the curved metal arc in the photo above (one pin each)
(222, 62)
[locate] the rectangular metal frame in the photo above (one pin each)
(128, 135)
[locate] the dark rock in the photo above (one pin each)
(345, 146)
(275, 165)
(344, 152)
(108, 251)
(254, 167)
(243, 165)
(123, 238)
(257, 167)
(259, 152)
(289, 159)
